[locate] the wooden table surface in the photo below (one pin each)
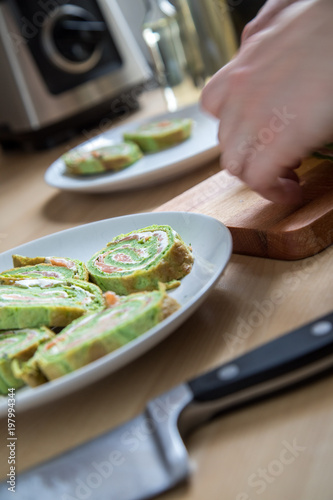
(237, 456)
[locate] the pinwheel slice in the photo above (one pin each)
(156, 136)
(31, 303)
(108, 158)
(18, 346)
(48, 267)
(140, 260)
(95, 335)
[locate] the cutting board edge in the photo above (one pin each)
(297, 244)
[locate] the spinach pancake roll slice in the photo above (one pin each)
(18, 346)
(140, 260)
(35, 302)
(157, 136)
(96, 335)
(49, 267)
(108, 158)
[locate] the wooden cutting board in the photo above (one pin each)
(260, 227)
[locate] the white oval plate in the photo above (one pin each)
(212, 246)
(153, 168)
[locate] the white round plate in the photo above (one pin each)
(153, 168)
(212, 246)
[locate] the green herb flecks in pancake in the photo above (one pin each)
(48, 267)
(35, 302)
(96, 335)
(140, 260)
(18, 346)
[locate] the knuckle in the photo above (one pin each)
(205, 100)
(208, 100)
(233, 164)
(259, 182)
(238, 77)
(257, 185)
(246, 31)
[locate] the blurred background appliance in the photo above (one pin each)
(69, 66)
(64, 65)
(240, 12)
(187, 41)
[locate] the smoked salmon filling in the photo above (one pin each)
(47, 267)
(96, 335)
(156, 136)
(109, 158)
(18, 346)
(32, 303)
(140, 260)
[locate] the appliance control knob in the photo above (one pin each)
(77, 39)
(72, 38)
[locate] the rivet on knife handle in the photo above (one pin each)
(276, 364)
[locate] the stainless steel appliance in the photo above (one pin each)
(64, 65)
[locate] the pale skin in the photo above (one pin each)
(274, 99)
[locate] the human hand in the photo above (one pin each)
(274, 99)
(269, 10)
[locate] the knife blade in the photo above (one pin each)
(147, 456)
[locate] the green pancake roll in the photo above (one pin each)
(96, 335)
(157, 136)
(28, 372)
(48, 267)
(18, 346)
(325, 153)
(32, 303)
(140, 260)
(3, 387)
(36, 272)
(104, 159)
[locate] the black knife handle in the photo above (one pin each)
(277, 364)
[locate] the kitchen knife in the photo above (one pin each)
(147, 456)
